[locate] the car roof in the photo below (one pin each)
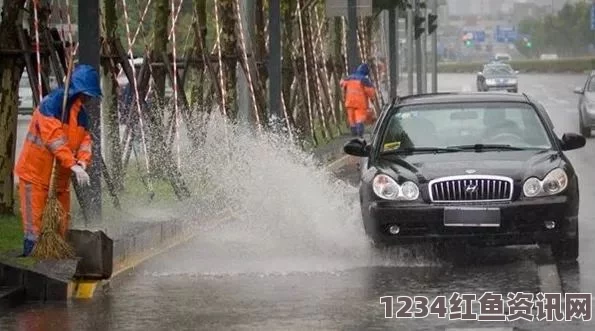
(449, 97)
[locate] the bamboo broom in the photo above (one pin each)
(50, 244)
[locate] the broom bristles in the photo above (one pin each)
(50, 244)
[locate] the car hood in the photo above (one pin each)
(517, 165)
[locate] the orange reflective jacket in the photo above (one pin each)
(48, 137)
(358, 89)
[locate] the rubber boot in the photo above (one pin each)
(28, 246)
(359, 128)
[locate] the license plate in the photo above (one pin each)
(471, 217)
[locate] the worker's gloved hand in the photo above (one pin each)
(81, 175)
(82, 164)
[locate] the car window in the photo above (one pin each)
(444, 125)
(498, 70)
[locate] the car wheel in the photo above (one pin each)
(565, 250)
(585, 131)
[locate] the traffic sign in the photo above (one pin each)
(506, 34)
(477, 36)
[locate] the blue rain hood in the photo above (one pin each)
(85, 80)
(362, 70)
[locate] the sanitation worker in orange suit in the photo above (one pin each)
(358, 91)
(48, 138)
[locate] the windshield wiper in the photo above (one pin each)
(410, 150)
(480, 147)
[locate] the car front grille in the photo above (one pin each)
(471, 188)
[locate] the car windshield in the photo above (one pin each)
(454, 127)
(498, 70)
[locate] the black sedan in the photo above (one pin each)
(497, 76)
(485, 167)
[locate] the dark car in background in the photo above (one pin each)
(586, 106)
(497, 76)
(483, 168)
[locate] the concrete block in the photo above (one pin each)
(11, 296)
(95, 250)
(56, 290)
(11, 276)
(35, 286)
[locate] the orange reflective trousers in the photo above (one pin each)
(356, 116)
(33, 199)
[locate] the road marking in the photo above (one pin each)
(549, 280)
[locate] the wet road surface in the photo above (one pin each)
(302, 274)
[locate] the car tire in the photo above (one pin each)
(585, 131)
(566, 250)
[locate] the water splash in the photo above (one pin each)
(291, 214)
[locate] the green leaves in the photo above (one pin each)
(565, 33)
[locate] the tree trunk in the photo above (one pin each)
(200, 44)
(338, 71)
(11, 69)
(160, 35)
(158, 143)
(260, 44)
(229, 53)
(318, 115)
(113, 149)
(288, 42)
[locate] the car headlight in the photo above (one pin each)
(512, 81)
(387, 188)
(554, 182)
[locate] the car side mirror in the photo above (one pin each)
(572, 141)
(578, 90)
(357, 147)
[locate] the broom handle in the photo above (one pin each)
(52, 188)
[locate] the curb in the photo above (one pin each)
(126, 257)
